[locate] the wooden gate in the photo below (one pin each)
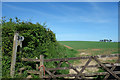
(108, 67)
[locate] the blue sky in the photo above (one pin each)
(75, 21)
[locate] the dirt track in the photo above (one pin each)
(68, 47)
(82, 62)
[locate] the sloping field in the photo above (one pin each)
(92, 47)
(89, 44)
(88, 48)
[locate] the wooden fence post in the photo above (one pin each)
(41, 64)
(13, 61)
(36, 65)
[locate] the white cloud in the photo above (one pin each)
(92, 18)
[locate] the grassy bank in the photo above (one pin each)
(92, 47)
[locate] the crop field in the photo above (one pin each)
(89, 44)
(92, 47)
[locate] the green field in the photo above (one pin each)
(89, 44)
(92, 47)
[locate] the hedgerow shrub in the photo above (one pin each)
(38, 39)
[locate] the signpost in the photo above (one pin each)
(17, 41)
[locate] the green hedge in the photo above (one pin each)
(38, 40)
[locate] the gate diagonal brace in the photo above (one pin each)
(51, 75)
(58, 66)
(72, 67)
(83, 68)
(107, 69)
(105, 78)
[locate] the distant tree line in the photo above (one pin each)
(106, 40)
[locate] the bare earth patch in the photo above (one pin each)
(82, 62)
(95, 49)
(90, 69)
(68, 47)
(86, 52)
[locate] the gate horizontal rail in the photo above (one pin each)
(72, 75)
(79, 74)
(63, 68)
(74, 58)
